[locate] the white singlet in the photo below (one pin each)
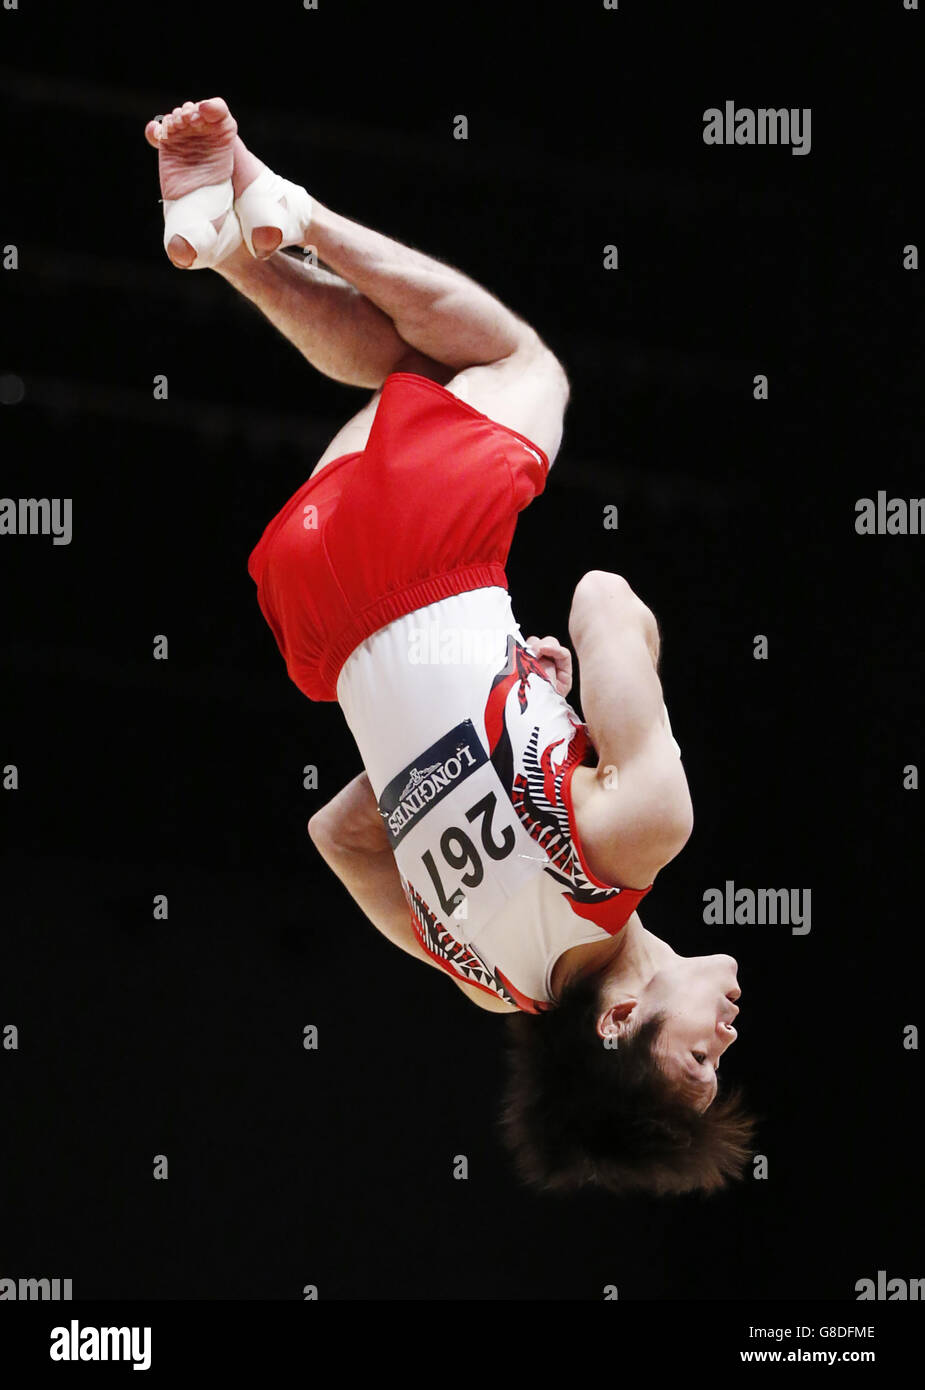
(469, 750)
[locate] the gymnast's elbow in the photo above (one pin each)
(321, 829)
(604, 599)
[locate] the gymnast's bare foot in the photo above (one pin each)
(195, 146)
(198, 145)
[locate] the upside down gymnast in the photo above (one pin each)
(494, 835)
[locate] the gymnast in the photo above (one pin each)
(493, 833)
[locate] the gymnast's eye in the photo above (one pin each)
(699, 1057)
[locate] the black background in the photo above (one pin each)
(183, 777)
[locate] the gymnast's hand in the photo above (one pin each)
(555, 660)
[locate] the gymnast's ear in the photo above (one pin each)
(612, 1022)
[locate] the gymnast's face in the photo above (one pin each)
(698, 996)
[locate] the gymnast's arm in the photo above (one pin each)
(349, 835)
(638, 815)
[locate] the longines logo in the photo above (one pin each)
(418, 776)
(433, 775)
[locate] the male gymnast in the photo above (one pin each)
(493, 834)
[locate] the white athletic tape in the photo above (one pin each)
(191, 218)
(260, 205)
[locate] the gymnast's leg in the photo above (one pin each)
(377, 306)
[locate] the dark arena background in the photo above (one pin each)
(127, 1037)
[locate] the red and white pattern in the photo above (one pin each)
(500, 836)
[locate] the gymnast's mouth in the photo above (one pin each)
(733, 1007)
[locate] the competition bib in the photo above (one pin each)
(456, 837)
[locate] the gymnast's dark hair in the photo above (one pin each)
(579, 1114)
